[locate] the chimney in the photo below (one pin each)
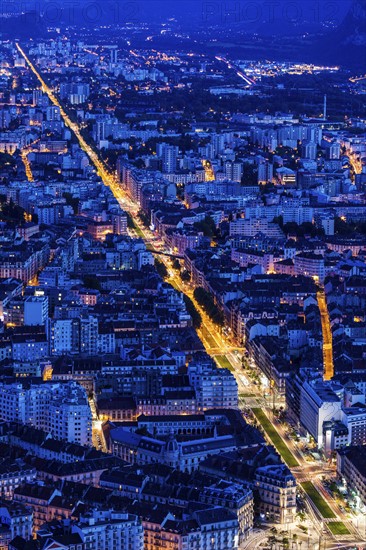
(325, 108)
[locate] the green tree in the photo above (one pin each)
(341, 227)
(196, 317)
(279, 221)
(207, 226)
(130, 223)
(250, 174)
(6, 161)
(161, 269)
(91, 281)
(205, 300)
(72, 201)
(11, 213)
(185, 275)
(144, 218)
(140, 163)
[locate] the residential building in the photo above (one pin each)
(277, 490)
(351, 467)
(215, 388)
(36, 310)
(60, 408)
(16, 520)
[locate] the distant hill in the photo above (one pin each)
(24, 26)
(346, 45)
(303, 39)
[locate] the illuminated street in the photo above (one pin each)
(28, 170)
(327, 337)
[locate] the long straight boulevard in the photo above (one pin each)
(217, 346)
(327, 336)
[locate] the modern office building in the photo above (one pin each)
(318, 404)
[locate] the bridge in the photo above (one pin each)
(168, 254)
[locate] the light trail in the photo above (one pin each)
(327, 337)
(27, 166)
(354, 79)
(238, 71)
(107, 178)
(90, 52)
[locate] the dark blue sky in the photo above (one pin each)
(252, 12)
(280, 15)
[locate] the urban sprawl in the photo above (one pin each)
(182, 301)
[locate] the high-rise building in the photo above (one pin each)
(73, 335)
(308, 150)
(351, 466)
(318, 403)
(36, 310)
(59, 408)
(63, 336)
(114, 55)
(237, 171)
(169, 154)
(215, 388)
(265, 172)
(53, 113)
(119, 220)
(37, 96)
(75, 92)
(333, 150)
(69, 416)
(233, 170)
